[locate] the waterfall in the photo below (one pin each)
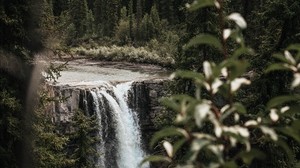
(124, 149)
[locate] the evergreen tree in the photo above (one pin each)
(59, 6)
(146, 28)
(99, 6)
(79, 14)
(130, 15)
(139, 16)
(90, 23)
(84, 139)
(154, 17)
(113, 17)
(106, 16)
(18, 39)
(48, 144)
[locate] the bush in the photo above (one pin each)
(212, 133)
(125, 53)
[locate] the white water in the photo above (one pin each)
(128, 133)
(101, 146)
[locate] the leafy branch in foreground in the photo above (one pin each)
(221, 134)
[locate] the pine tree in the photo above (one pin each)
(106, 16)
(146, 28)
(154, 17)
(84, 139)
(130, 15)
(139, 16)
(79, 14)
(59, 6)
(113, 17)
(48, 144)
(99, 6)
(90, 23)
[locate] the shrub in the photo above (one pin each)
(125, 53)
(213, 134)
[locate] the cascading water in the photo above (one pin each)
(124, 122)
(88, 86)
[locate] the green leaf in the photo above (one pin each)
(230, 164)
(281, 100)
(177, 102)
(240, 108)
(197, 4)
(276, 67)
(190, 75)
(178, 144)
(204, 39)
(297, 165)
(170, 131)
(281, 57)
(249, 156)
(196, 146)
(170, 103)
(236, 68)
(292, 111)
(289, 131)
(294, 47)
(155, 158)
(287, 149)
(243, 50)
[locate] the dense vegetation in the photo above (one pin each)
(147, 31)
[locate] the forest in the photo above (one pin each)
(244, 53)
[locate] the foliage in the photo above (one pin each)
(83, 140)
(79, 14)
(214, 133)
(48, 145)
(19, 38)
(125, 53)
(9, 123)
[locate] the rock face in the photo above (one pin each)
(143, 99)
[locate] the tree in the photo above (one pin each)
(154, 17)
(224, 133)
(113, 15)
(98, 15)
(107, 16)
(139, 17)
(18, 39)
(49, 146)
(131, 17)
(79, 14)
(90, 23)
(83, 139)
(59, 6)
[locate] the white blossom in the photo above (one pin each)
(169, 148)
(215, 85)
(269, 132)
(296, 81)
(207, 69)
(237, 83)
(289, 57)
(284, 109)
(202, 111)
(224, 72)
(226, 33)
(251, 123)
(273, 115)
(238, 19)
(236, 117)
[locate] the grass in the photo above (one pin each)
(126, 53)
